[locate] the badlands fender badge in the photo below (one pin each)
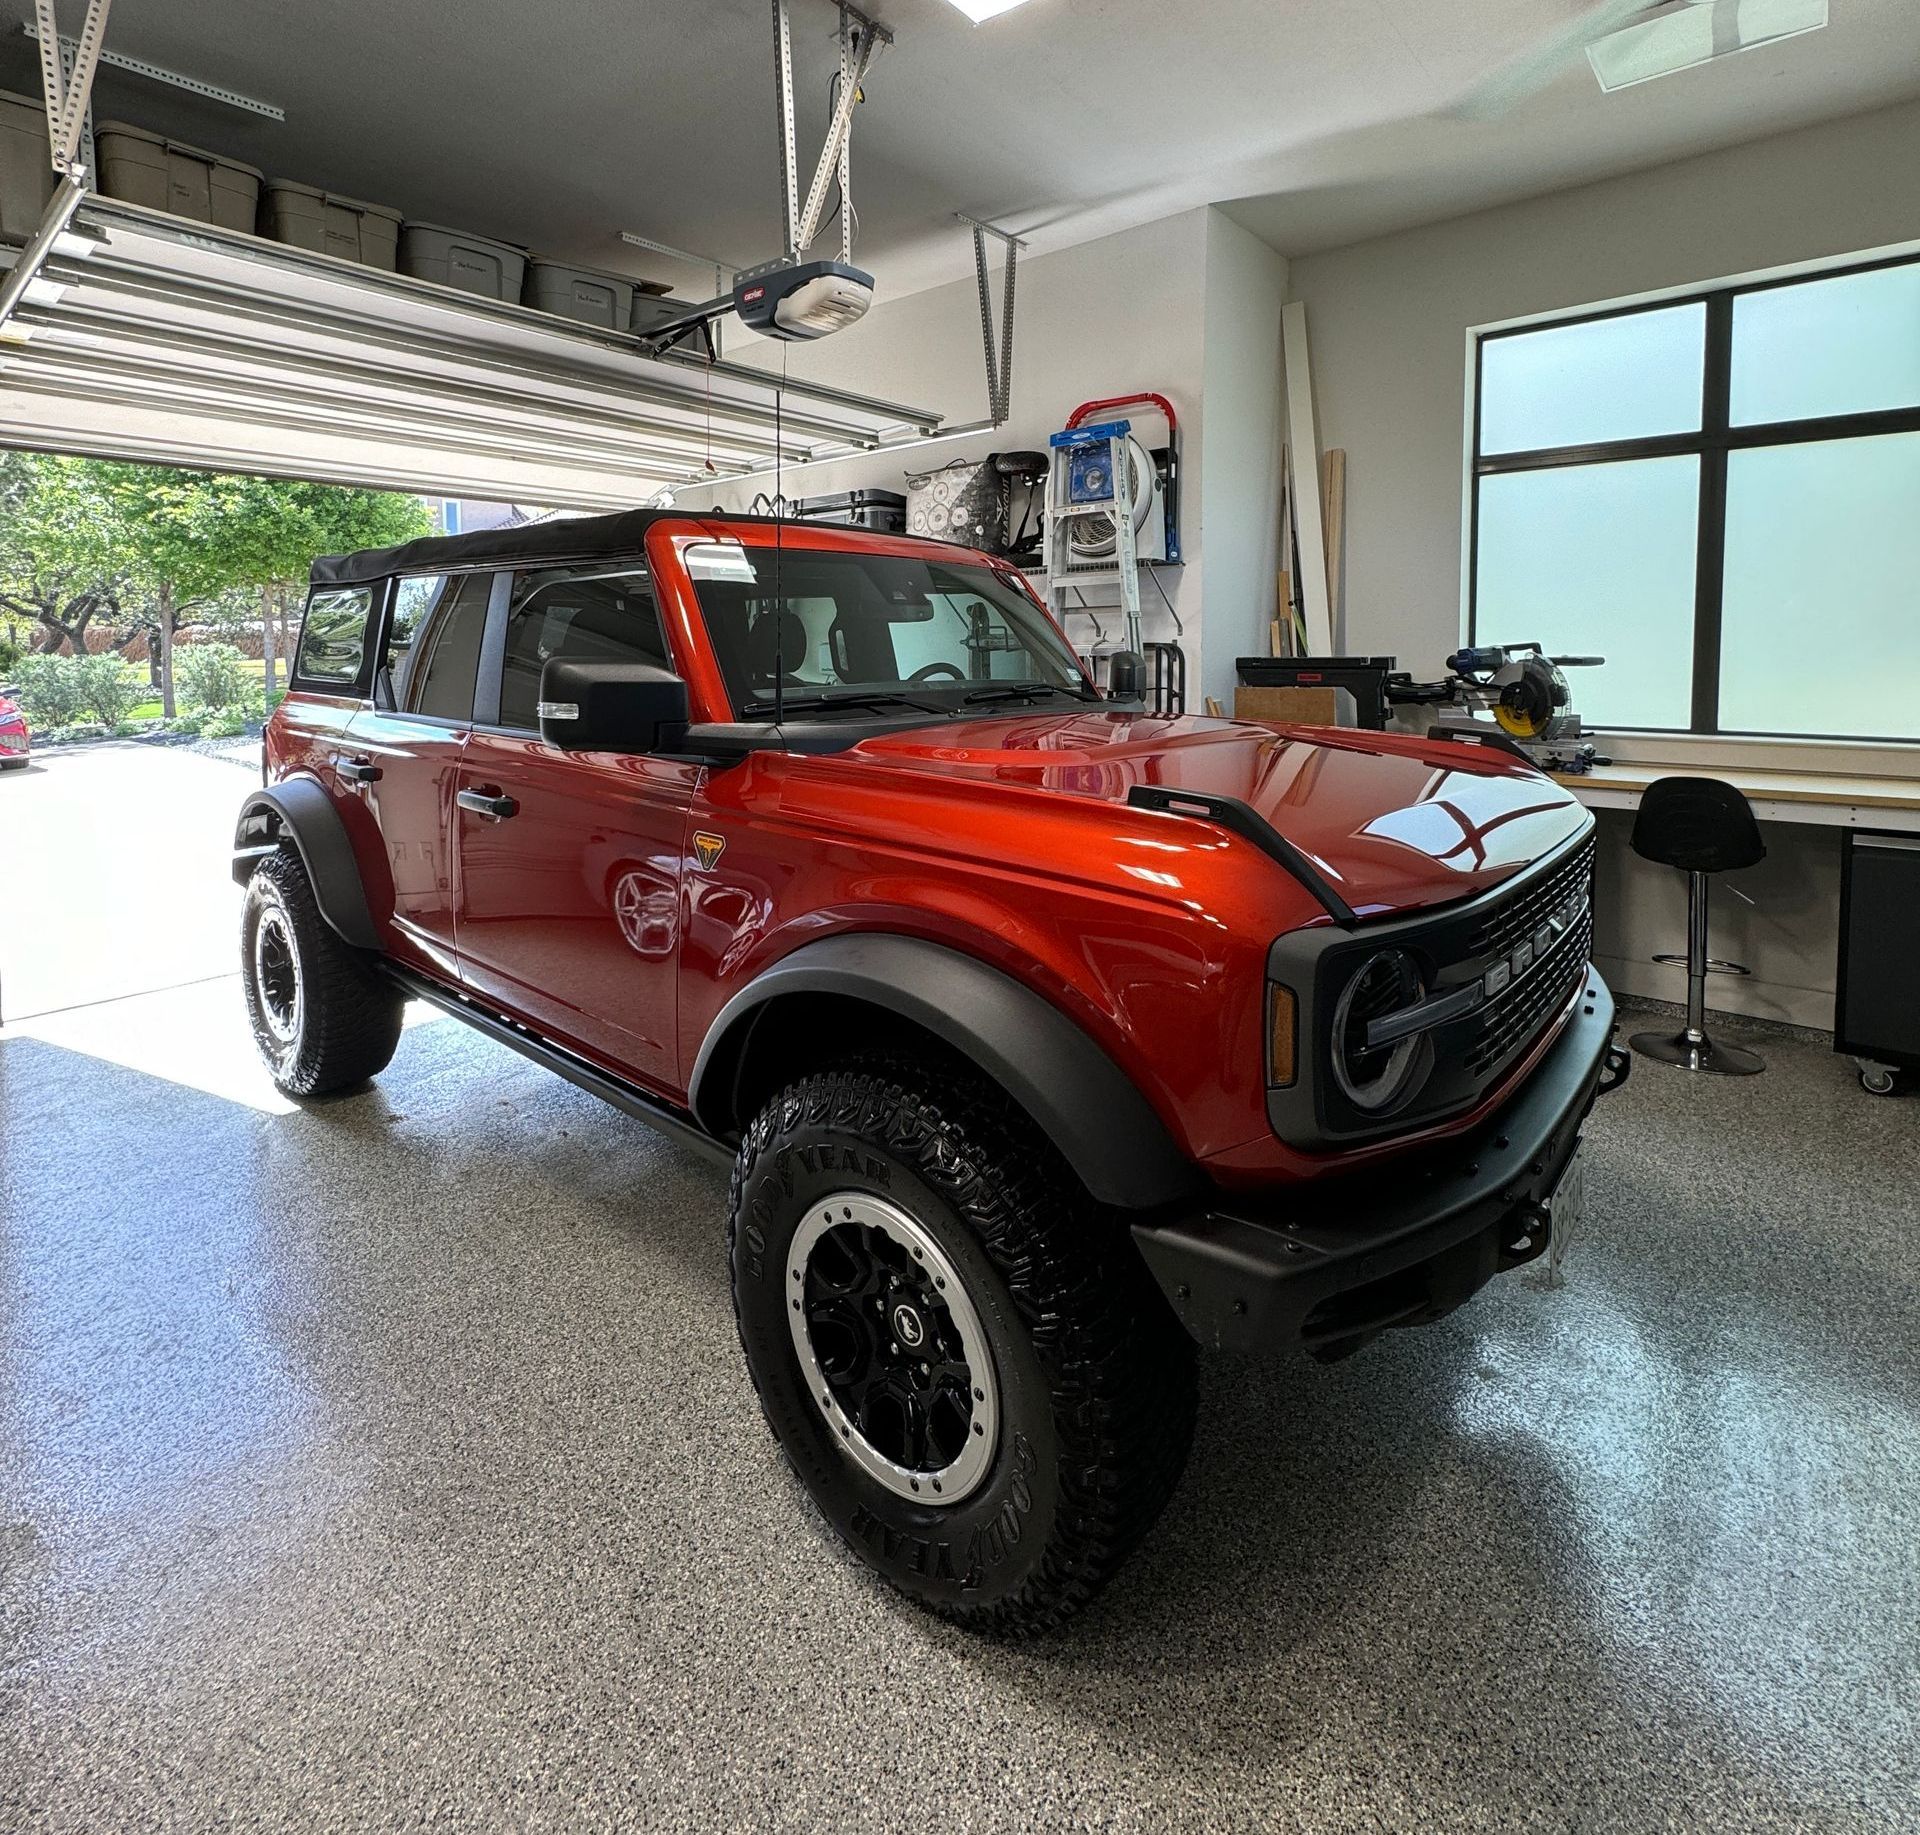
(707, 849)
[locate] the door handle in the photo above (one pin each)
(360, 770)
(487, 803)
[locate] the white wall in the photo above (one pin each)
(1104, 318)
(1240, 504)
(1187, 307)
(1388, 320)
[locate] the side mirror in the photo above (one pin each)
(611, 707)
(1126, 676)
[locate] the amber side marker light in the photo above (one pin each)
(1280, 1033)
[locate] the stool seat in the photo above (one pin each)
(1703, 826)
(1698, 824)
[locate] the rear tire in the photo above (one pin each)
(323, 1017)
(893, 1201)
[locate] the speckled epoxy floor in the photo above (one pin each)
(391, 1465)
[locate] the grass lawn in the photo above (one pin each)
(252, 665)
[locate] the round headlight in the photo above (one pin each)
(1375, 1078)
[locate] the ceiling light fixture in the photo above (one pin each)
(979, 11)
(1694, 32)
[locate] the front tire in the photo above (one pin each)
(961, 1355)
(323, 1017)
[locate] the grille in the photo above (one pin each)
(1464, 1057)
(1514, 923)
(1512, 1022)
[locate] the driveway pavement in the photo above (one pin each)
(114, 873)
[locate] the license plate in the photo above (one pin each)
(1566, 1212)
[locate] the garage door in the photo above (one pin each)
(148, 337)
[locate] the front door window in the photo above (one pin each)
(605, 617)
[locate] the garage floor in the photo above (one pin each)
(391, 1463)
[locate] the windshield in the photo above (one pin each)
(873, 630)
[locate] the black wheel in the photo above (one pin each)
(961, 1354)
(323, 1017)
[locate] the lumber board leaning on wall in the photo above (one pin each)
(1304, 441)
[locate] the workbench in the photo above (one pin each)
(1813, 798)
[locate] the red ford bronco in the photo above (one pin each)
(1044, 1036)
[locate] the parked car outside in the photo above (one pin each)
(1046, 1038)
(15, 741)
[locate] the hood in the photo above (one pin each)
(1394, 823)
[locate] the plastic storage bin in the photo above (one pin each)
(885, 511)
(651, 309)
(579, 293)
(26, 175)
(139, 167)
(474, 264)
(303, 217)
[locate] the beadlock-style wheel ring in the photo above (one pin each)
(278, 987)
(892, 1348)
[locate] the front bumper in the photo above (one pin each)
(1327, 1268)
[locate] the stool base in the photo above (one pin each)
(1697, 1053)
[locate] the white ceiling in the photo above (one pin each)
(557, 123)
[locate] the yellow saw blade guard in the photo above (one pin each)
(1515, 723)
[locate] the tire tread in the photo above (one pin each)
(1120, 1368)
(353, 1013)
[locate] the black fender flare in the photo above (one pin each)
(1085, 1104)
(298, 809)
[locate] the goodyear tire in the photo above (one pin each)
(961, 1355)
(322, 1016)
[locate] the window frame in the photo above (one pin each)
(493, 651)
(389, 589)
(360, 685)
(1712, 444)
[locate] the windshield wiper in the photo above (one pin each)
(860, 698)
(1024, 691)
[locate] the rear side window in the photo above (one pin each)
(333, 640)
(415, 599)
(443, 661)
(585, 617)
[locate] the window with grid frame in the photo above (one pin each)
(1721, 495)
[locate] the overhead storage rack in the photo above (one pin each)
(147, 336)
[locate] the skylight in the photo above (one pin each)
(1696, 32)
(980, 10)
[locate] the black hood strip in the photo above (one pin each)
(1247, 822)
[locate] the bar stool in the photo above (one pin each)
(1701, 826)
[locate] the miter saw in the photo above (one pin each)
(1527, 694)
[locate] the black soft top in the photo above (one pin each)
(575, 538)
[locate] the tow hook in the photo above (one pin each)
(1614, 1069)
